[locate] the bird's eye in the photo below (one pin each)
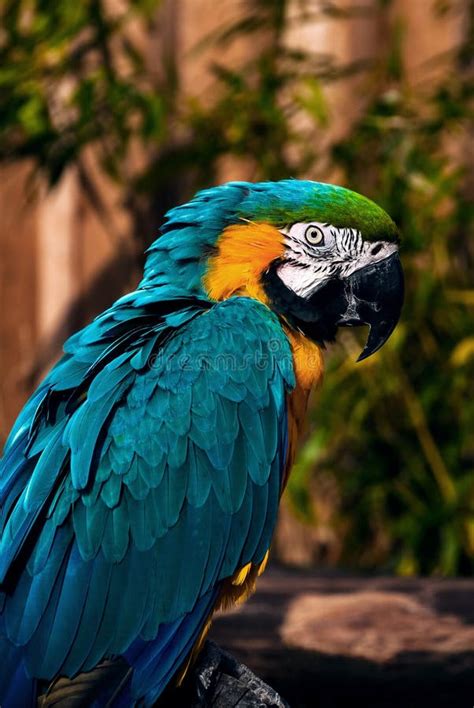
(314, 236)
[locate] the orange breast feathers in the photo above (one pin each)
(308, 364)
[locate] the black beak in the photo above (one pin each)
(374, 297)
(370, 296)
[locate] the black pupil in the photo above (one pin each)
(315, 235)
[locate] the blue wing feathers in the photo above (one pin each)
(151, 473)
(199, 477)
(68, 612)
(13, 462)
(28, 604)
(93, 612)
(16, 687)
(81, 433)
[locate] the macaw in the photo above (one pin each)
(140, 484)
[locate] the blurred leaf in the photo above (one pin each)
(463, 351)
(313, 101)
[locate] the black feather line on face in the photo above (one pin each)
(297, 264)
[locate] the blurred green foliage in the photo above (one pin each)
(61, 86)
(392, 436)
(74, 78)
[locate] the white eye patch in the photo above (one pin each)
(316, 252)
(310, 235)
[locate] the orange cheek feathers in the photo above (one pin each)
(245, 252)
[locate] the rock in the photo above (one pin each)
(220, 681)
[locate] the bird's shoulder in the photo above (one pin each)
(235, 335)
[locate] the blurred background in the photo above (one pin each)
(111, 111)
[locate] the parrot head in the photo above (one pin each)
(319, 255)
